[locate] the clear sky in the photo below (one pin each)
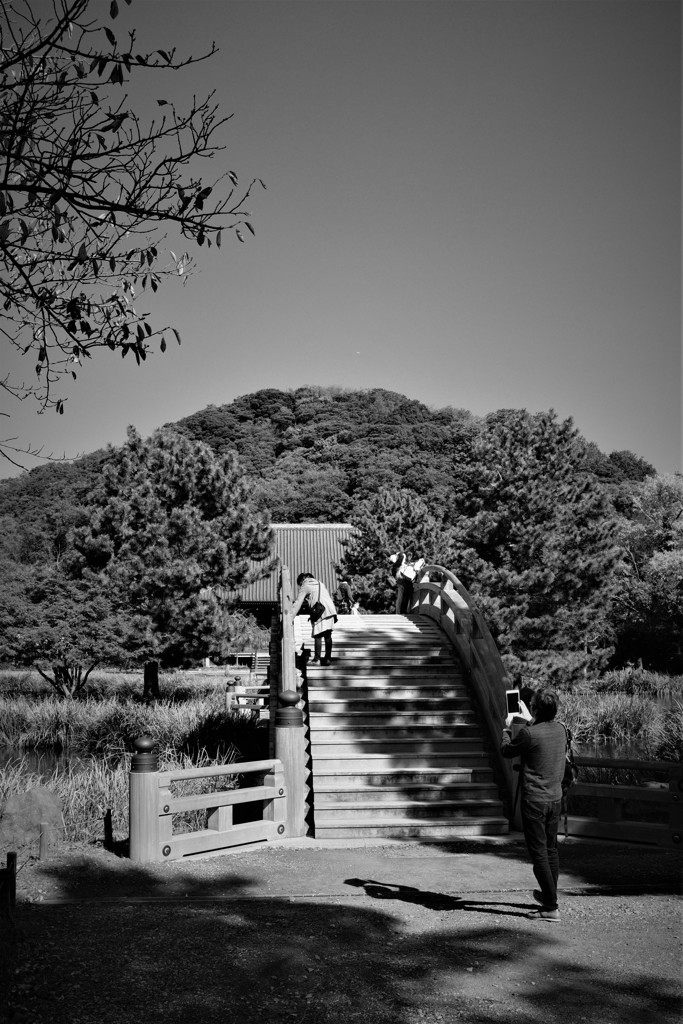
(476, 203)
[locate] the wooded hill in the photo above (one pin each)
(315, 452)
(574, 555)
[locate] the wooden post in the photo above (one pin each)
(108, 831)
(676, 804)
(150, 686)
(289, 748)
(143, 805)
(9, 888)
(275, 809)
(44, 839)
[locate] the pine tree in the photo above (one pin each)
(388, 522)
(536, 544)
(171, 523)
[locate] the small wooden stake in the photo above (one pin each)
(44, 830)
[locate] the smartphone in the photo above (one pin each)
(512, 701)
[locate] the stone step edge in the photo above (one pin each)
(364, 823)
(496, 805)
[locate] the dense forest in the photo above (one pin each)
(576, 556)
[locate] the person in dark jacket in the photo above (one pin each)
(541, 745)
(343, 598)
(312, 590)
(403, 573)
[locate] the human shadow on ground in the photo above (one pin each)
(218, 949)
(437, 901)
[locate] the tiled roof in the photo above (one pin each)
(302, 547)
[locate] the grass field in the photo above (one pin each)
(191, 726)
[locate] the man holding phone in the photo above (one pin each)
(541, 745)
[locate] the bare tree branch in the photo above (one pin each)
(89, 192)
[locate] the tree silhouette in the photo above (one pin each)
(89, 192)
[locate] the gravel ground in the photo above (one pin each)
(400, 934)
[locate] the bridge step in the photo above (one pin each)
(364, 721)
(390, 696)
(412, 828)
(453, 810)
(333, 742)
(354, 762)
(442, 778)
(336, 701)
(329, 794)
(396, 745)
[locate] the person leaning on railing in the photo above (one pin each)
(403, 573)
(312, 591)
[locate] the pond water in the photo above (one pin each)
(38, 762)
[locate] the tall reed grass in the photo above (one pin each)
(190, 726)
(87, 788)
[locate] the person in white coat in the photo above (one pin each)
(313, 592)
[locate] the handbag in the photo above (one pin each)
(317, 609)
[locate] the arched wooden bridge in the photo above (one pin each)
(402, 730)
(398, 738)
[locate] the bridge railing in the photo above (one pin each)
(439, 595)
(609, 799)
(288, 720)
(152, 805)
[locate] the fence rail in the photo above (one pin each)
(609, 822)
(153, 804)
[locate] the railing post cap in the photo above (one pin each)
(144, 744)
(145, 757)
(287, 714)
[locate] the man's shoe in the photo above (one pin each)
(315, 661)
(542, 914)
(325, 661)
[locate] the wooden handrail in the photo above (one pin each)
(288, 674)
(152, 806)
(439, 594)
(239, 768)
(610, 798)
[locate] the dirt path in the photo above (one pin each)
(399, 934)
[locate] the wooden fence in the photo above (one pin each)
(621, 811)
(153, 804)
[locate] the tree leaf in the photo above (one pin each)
(110, 35)
(250, 227)
(162, 346)
(114, 9)
(176, 334)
